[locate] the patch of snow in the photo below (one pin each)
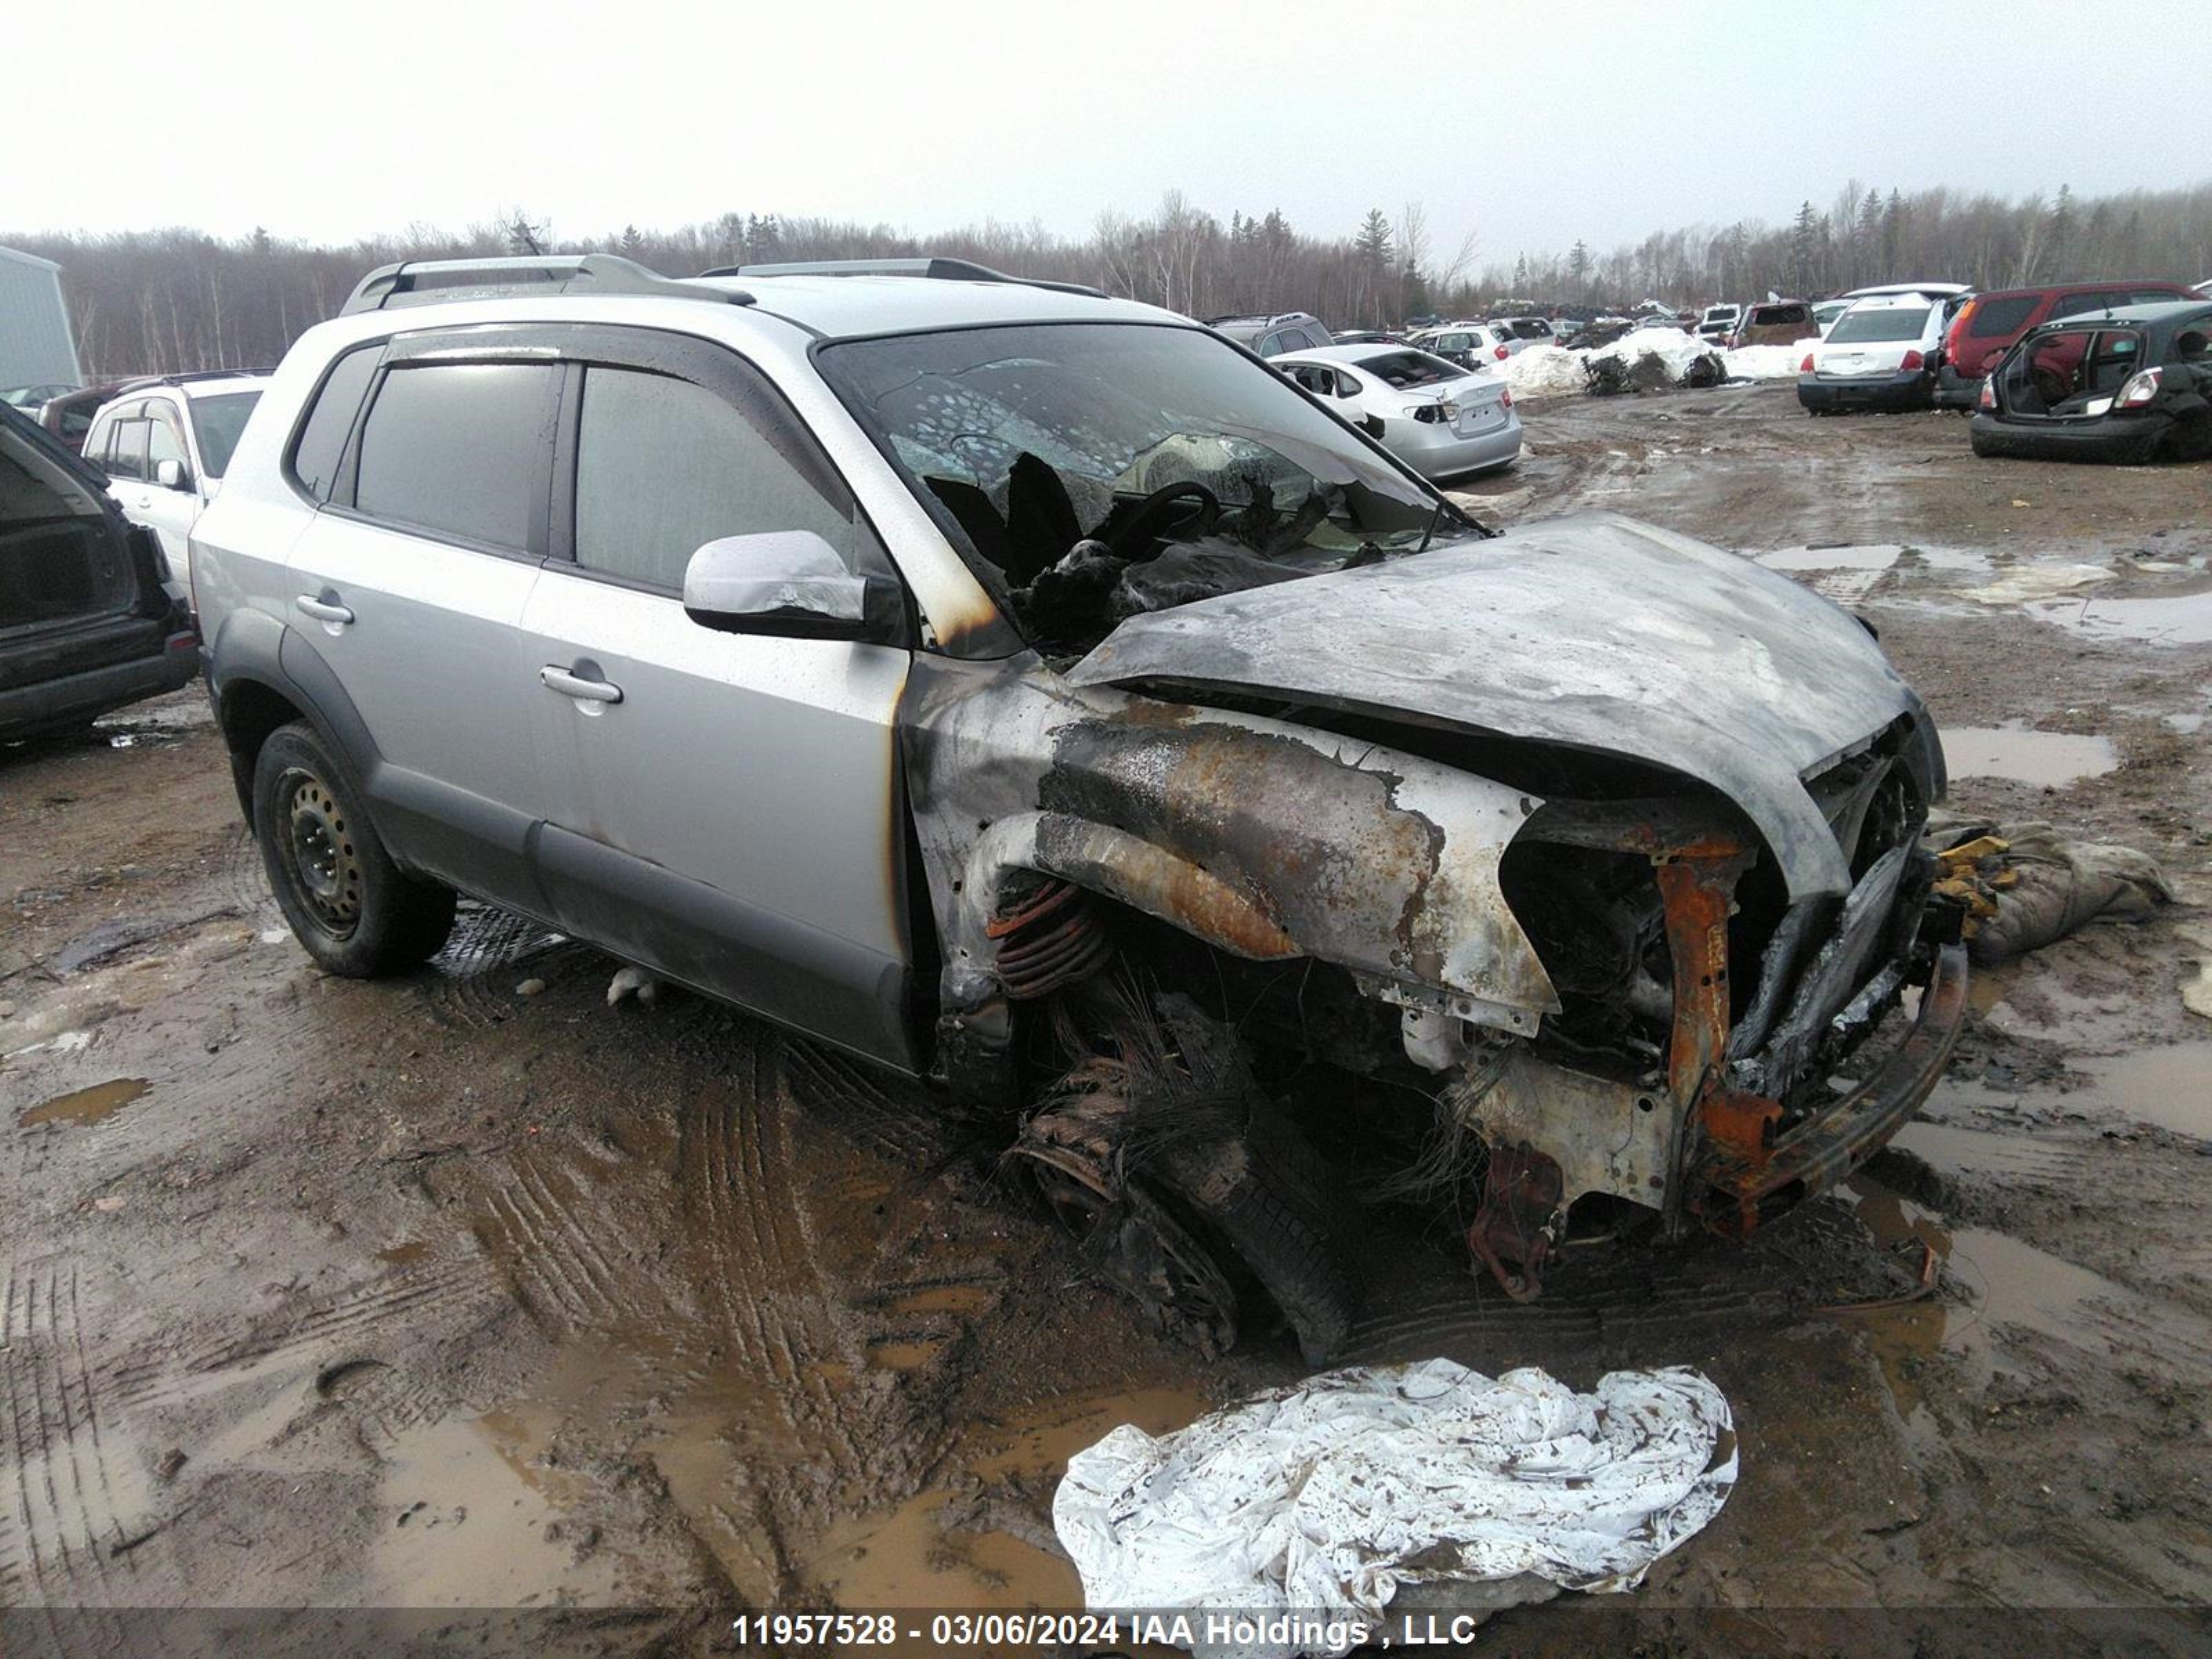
(1763, 362)
(1544, 371)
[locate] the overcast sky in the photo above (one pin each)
(1530, 124)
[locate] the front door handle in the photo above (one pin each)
(323, 609)
(556, 678)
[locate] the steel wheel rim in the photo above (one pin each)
(316, 843)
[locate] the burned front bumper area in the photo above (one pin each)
(1715, 1104)
(1606, 976)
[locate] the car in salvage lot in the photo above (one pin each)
(2130, 385)
(1438, 418)
(1984, 328)
(1880, 354)
(1471, 345)
(87, 623)
(165, 442)
(1773, 322)
(1031, 692)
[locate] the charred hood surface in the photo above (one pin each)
(1593, 630)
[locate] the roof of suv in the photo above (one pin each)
(849, 308)
(206, 383)
(831, 299)
(2034, 289)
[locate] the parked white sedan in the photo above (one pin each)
(1434, 416)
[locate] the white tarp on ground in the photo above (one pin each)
(1324, 1498)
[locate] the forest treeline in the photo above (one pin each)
(161, 301)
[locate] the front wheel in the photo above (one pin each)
(356, 912)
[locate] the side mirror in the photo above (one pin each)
(787, 583)
(171, 475)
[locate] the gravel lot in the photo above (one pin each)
(471, 1291)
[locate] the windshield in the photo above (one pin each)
(1406, 369)
(1093, 471)
(218, 420)
(1887, 324)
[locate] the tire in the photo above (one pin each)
(2191, 440)
(1983, 447)
(356, 912)
(1278, 1207)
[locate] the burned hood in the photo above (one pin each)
(1593, 630)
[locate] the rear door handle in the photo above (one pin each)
(556, 678)
(323, 609)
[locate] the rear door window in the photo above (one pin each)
(126, 452)
(2076, 305)
(463, 450)
(1995, 319)
(330, 421)
(665, 466)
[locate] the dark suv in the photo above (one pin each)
(1987, 323)
(87, 621)
(2131, 385)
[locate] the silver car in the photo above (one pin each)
(1438, 418)
(1030, 692)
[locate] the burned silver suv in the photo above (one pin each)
(1035, 692)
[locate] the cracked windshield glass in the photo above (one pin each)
(1090, 473)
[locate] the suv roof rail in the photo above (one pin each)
(935, 266)
(429, 282)
(140, 382)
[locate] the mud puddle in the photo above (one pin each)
(2051, 759)
(914, 1558)
(474, 1518)
(979, 1547)
(2166, 619)
(2169, 1087)
(85, 1106)
(1976, 1281)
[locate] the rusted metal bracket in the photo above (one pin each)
(1697, 889)
(1520, 1219)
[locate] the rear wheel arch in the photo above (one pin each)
(249, 710)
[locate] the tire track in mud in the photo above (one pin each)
(70, 1513)
(541, 1234)
(735, 1171)
(903, 1125)
(332, 1322)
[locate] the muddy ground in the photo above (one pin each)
(471, 1291)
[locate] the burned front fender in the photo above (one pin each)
(1260, 838)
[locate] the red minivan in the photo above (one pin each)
(1987, 323)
